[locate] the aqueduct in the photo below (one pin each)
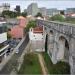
(60, 41)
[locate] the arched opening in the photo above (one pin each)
(63, 52)
(49, 42)
(51, 36)
(46, 42)
(51, 32)
(66, 53)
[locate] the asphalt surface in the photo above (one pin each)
(13, 62)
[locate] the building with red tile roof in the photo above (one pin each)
(22, 21)
(37, 39)
(18, 30)
(38, 30)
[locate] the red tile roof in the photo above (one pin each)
(38, 29)
(17, 32)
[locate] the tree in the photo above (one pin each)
(8, 36)
(57, 18)
(10, 14)
(24, 14)
(31, 24)
(38, 15)
(62, 12)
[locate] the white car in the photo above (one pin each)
(17, 51)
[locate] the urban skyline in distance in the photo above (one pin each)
(48, 4)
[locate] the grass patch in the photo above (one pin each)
(73, 22)
(59, 68)
(30, 65)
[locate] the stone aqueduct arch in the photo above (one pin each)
(60, 42)
(56, 45)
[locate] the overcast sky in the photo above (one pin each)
(59, 4)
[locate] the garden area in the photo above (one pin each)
(59, 68)
(30, 65)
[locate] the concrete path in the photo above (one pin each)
(20, 60)
(42, 63)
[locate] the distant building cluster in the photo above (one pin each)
(33, 9)
(4, 7)
(70, 12)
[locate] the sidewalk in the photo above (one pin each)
(5, 60)
(42, 63)
(20, 60)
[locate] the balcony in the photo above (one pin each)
(3, 50)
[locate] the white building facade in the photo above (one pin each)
(3, 38)
(37, 39)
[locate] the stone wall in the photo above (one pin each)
(57, 49)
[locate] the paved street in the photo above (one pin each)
(13, 62)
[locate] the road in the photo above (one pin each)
(13, 62)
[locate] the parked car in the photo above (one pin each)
(17, 51)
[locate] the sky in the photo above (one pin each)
(59, 4)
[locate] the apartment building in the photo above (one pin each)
(52, 12)
(42, 11)
(3, 38)
(4, 7)
(32, 9)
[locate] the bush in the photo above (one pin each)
(57, 18)
(59, 68)
(31, 24)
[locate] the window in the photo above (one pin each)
(3, 29)
(1, 45)
(0, 29)
(31, 29)
(45, 28)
